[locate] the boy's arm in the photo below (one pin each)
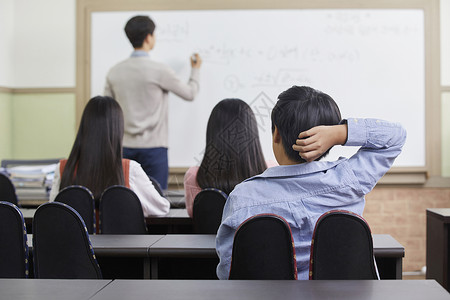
(224, 241)
(380, 141)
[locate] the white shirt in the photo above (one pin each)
(153, 204)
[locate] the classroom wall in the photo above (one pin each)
(43, 125)
(44, 43)
(445, 42)
(5, 125)
(401, 212)
(6, 42)
(40, 43)
(446, 134)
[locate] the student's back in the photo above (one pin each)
(301, 191)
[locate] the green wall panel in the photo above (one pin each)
(5, 126)
(43, 125)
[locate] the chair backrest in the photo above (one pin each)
(121, 212)
(263, 248)
(342, 248)
(156, 185)
(61, 245)
(13, 242)
(81, 199)
(7, 190)
(207, 210)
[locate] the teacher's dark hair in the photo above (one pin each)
(137, 29)
(298, 109)
(96, 157)
(233, 151)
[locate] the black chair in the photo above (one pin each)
(263, 248)
(81, 199)
(61, 245)
(13, 242)
(207, 210)
(342, 248)
(156, 185)
(7, 190)
(121, 212)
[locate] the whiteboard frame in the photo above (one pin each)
(408, 175)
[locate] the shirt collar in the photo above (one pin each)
(139, 53)
(300, 169)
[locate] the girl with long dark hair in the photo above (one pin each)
(233, 151)
(96, 158)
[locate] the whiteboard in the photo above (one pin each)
(372, 62)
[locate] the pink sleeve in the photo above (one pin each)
(191, 188)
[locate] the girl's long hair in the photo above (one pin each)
(96, 157)
(233, 151)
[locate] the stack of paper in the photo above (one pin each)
(32, 182)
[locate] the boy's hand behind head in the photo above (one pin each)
(311, 144)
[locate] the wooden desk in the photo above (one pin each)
(438, 264)
(261, 290)
(44, 289)
(387, 251)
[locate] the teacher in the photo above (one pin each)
(141, 86)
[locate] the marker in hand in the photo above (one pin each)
(196, 61)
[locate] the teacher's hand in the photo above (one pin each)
(196, 60)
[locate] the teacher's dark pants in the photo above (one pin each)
(154, 161)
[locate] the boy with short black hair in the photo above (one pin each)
(301, 188)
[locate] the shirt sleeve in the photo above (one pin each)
(191, 188)
(187, 91)
(224, 240)
(55, 184)
(108, 89)
(381, 142)
(153, 204)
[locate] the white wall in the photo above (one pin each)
(6, 42)
(44, 43)
(445, 42)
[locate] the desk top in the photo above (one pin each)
(175, 216)
(127, 245)
(44, 289)
(123, 245)
(308, 289)
(442, 214)
(195, 245)
(385, 245)
(180, 245)
(176, 199)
